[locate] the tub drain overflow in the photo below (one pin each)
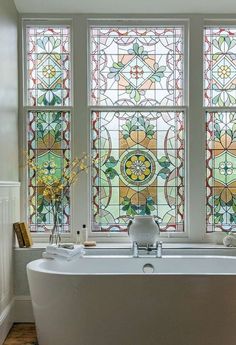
(148, 268)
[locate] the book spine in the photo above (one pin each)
(16, 227)
(26, 235)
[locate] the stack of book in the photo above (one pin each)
(23, 234)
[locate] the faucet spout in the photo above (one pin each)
(148, 248)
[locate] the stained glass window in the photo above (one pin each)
(48, 65)
(48, 147)
(136, 66)
(221, 171)
(220, 66)
(139, 169)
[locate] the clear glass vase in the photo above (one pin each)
(55, 236)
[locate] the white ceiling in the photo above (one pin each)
(126, 6)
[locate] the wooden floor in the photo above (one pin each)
(22, 334)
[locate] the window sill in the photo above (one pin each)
(168, 249)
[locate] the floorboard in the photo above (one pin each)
(22, 334)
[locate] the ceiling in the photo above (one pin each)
(126, 6)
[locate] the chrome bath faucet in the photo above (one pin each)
(148, 248)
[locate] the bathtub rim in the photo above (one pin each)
(34, 266)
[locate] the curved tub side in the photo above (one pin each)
(138, 309)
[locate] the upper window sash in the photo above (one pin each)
(219, 66)
(139, 65)
(48, 65)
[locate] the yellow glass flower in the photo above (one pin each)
(134, 158)
(128, 164)
(224, 71)
(49, 71)
(138, 167)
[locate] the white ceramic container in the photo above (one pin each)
(143, 230)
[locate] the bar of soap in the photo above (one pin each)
(90, 243)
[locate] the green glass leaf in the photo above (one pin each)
(232, 43)
(141, 121)
(136, 48)
(164, 162)
(161, 69)
(41, 99)
(57, 57)
(232, 100)
(40, 208)
(163, 173)
(233, 218)
(39, 42)
(227, 41)
(137, 96)
(111, 173)
(111, 163)
(56, 43)
(221, 41)
(216, 56)
(118, 65)
(125, 207)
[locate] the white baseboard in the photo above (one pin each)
(23, 311)
(6, 321)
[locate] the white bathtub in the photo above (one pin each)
(187, 300)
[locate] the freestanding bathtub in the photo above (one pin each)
(186, 300)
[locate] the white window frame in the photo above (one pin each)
(194, 114)
(90, 108)
(25, 109)
(212, 22)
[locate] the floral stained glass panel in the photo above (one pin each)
(136, 66)
(48, 147)
(220, 66)
(139, 168)
(48, 66)
(221, 171)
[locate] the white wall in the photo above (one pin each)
(9, 213)
(9, 185)
(8, 92)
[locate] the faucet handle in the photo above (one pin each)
(159, 249)
(135, 249)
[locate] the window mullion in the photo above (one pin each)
(195, 132)
(81, 121)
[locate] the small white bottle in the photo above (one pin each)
(78, 237)
(83, 234)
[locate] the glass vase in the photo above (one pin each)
(55, 236)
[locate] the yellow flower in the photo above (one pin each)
(50, 185)
(82, 166)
